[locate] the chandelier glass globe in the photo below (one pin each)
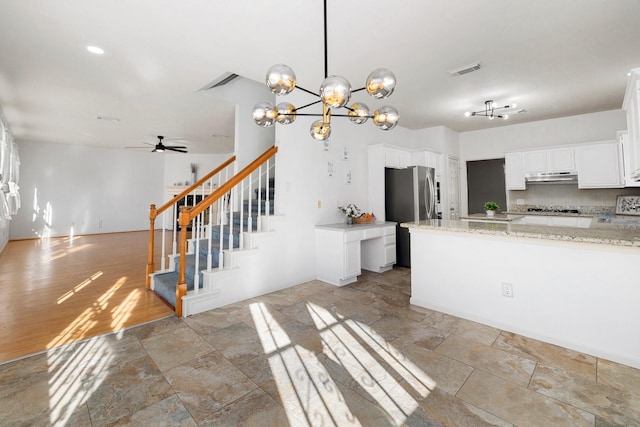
(281, 79)
(264, 114)
(335, 91)
(381, 83)
(320, 130)
(358, 113)
(386, 118)
(286, 113)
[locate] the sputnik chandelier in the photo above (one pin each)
(335, 92)
(492, 110)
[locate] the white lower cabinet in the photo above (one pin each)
(351, 264)
(342, 250)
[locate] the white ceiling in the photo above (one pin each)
(553, 57)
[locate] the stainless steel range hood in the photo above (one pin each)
(551, 178)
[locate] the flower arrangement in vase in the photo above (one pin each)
(351, 211)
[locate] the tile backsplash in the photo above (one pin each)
(569, 196)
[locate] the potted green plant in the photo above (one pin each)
(491, 208)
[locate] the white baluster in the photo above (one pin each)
(195, 227)
(164, 232)
(259, 197)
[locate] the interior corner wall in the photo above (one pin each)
(493, 143)
(251, 140)
(93, 190)
(312, 182)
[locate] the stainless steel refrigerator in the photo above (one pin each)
(410, 196)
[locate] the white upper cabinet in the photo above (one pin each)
(631, 105)
(600, 165)
(561, 160)
(534, 161)
(514, 171)
(395, 158)
(551, 160)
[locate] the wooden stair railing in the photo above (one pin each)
(187, 215)
(154, 212)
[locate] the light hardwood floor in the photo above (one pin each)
(60, 290)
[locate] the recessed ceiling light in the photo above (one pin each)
(95, 50)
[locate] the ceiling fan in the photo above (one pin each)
(160, 147)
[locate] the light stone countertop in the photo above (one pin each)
(343, 226)
(602, 233)
(497, 217)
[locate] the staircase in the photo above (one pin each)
(164, 284)
(221, 227)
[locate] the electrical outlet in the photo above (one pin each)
(319, 204)
(507, 290)
(519, 202)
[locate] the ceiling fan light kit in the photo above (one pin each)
(335, 92)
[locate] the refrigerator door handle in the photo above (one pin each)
(428, 197)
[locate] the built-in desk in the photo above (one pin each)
(343, 250)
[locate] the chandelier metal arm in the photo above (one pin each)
(321, 115)
(359, 89)
(308, 105)
(308, 91)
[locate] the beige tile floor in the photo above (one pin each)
(322, 356)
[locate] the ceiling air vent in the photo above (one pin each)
(465, 70)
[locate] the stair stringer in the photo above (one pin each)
(233, 282)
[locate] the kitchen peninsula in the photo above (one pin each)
(574, 287)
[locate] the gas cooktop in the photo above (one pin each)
(554, 210)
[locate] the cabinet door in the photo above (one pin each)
(514, 171)
(631, 104)
(561, 160)
(599, 166)
(389, 255)
(404, 159)
(391, 157)
(351, 259)
(535, 161)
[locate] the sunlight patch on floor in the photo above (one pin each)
(79, 328)
(86, 282)
(121, 313)
(307, 390)
(76, 373)
(310, 395)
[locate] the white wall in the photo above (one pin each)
(495, 142)
(97, 190)
(251, 140)
(177, 167)
(302, 181)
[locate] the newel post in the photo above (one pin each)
(153, 213)
(181, 288)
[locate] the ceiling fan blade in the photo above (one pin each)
(177, 149)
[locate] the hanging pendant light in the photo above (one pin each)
(335, 92)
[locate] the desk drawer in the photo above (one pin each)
(353, 236)
(372, 233)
